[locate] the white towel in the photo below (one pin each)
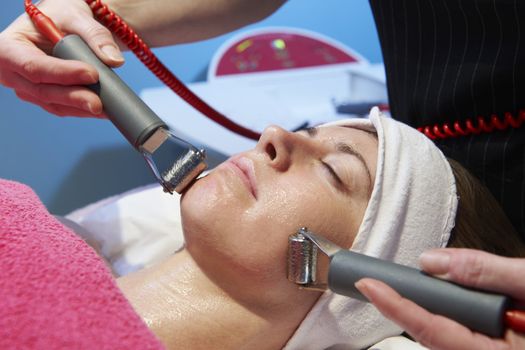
(412, 209)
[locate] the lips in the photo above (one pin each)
(245, 168)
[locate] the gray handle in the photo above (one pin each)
(479, 311)
(135, 120)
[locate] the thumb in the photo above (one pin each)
(99, 38)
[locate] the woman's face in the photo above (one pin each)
(238, 218)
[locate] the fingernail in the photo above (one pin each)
(363, 287)
(112, 52)
(88, 78)
(89, 108)
(436, 262)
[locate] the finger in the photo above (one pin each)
(515, 340)
(65, 111)
(72, 96)
(37, 67)
(59, 110)
(433, 331)
(99, 39)
(477, 269)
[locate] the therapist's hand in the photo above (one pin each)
(56, 85)
(464, 266)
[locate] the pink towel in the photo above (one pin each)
(55, 292)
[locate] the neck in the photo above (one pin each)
(185, 309)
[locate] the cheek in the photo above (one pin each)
(309, 202)
(246, 243)
(219, 226)
(299, 202)
(204, 209)
(227, 234)
(213, 202)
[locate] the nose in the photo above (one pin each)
(280, 146)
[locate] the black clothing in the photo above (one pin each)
(450, 60)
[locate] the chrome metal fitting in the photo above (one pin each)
(308, 259)
(174, 170)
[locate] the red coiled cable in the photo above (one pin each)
(469, 127)
(128, 36)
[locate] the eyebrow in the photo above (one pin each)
(348, 149)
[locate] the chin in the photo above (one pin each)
(196, 204)
(206, 211)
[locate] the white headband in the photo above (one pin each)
(412, 209)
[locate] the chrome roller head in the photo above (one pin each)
(173, 175)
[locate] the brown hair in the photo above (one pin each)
(480, 221)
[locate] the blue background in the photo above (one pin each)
(71, 162)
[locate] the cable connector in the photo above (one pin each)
(43, 23)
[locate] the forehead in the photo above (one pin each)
(348, 134)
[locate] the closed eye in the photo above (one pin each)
(310, 130)
(333, 174)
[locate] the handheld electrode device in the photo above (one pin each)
(317, 263)
(143, 129)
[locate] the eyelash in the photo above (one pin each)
(333, 173)
(310, 130)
